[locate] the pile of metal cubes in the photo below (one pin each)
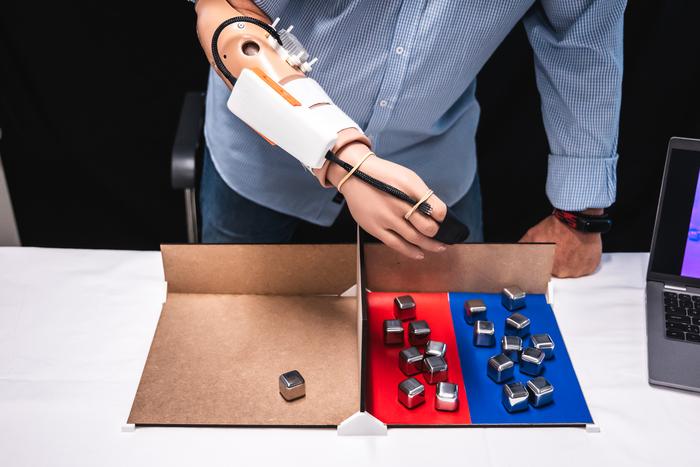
(431, 363)
(517, 396)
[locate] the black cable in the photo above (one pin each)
(215, 41)
(425, 208)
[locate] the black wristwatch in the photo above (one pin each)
(584, 222)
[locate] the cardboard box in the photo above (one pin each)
(237, 316)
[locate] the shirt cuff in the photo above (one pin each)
(272, 8)
(578, 183)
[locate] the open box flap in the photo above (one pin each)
(260, 269)
(475, 267)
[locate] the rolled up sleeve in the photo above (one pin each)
(577, 47)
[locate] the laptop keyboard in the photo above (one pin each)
(682, 316)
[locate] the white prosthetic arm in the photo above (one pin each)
(295, 114)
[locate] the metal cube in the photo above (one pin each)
(540, 391)
(500, 368)
(513, 298)
(474, 310)
(484, 334)
(411, 393)
(435, 349)
(532, 361)
(514, 397)
(404, 308)
(434, 370)
(543, 342)
(292, 385)
(393, 332)
(446, 397)
(512, 346)
(517, 325)
(411, 361)
(418, 333)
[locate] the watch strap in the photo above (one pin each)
(584, 222)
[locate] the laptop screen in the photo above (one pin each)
(676, 248)
(691, 256)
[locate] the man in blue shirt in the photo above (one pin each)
(405, 71)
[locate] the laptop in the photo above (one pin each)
(673, 277)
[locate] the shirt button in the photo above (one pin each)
(399, 50)
(383, 103)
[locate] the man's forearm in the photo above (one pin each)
(578, 61)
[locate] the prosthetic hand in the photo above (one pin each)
(271, 93)
(381, 214)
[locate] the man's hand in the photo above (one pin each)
(577, 253)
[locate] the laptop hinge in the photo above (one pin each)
(674, 287)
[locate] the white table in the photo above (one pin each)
(76, 325)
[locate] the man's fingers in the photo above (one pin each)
(397, 243)
(406, 230)
(528, 237)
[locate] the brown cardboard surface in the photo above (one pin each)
(216, 359)
(260, 269)
(476, 267)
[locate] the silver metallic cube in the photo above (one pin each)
(517, 325)
(411, 361)
(513, 298)
(484, 334)
(500, 368)
(434, 370)
(404, 308)
(411, 393)
(446, 397)
(532, 361)
(514, 397)
(512, 346)
(292, 385)
(474, 310)
(435, 349)
(543, 342)
(393, 332)
(540, 391)
(418, 333)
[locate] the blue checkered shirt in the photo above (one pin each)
(405, 71)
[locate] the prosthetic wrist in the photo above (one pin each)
(297, 115)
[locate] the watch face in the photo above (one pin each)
(597, 225)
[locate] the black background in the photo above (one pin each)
(90, 94)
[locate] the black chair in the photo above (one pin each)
(186, 159)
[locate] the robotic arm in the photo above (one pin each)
(265, 67)
(271, 92)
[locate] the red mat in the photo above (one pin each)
(384, 374)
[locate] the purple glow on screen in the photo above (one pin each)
(691, 258)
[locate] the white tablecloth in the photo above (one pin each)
(76, 325)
